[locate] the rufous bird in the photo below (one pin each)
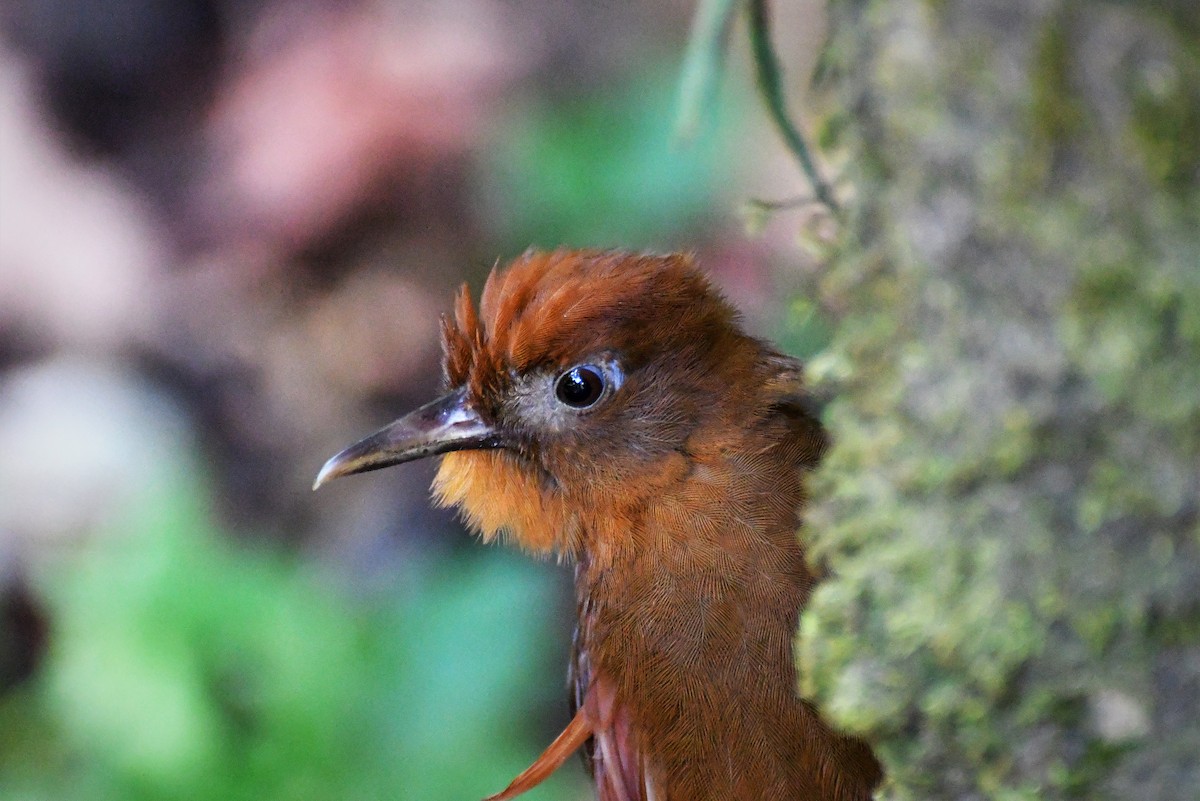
(608, 407)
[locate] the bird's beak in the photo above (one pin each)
(447, 424)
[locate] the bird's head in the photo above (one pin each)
(584, 383)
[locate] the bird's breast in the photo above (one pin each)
(694, 631)
(701, 665)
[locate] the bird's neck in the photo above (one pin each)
(719, 524)
(690, 619)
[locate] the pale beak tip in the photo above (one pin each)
(328, 471)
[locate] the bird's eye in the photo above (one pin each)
(580, 387)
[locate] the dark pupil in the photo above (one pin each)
(579, 386)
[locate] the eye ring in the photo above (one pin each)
(580, 387)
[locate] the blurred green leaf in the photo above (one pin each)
(708, 44)
(805, 331)
(603, 171)
(187, 667)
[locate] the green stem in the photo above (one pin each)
(770, 86)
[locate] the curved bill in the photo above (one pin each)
(447, 424)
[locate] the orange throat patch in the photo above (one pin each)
(496, 498)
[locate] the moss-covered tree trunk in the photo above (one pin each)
(1011, 507)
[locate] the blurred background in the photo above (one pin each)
(227, 229)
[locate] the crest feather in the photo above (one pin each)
(550, 309)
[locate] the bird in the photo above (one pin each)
(608, 407)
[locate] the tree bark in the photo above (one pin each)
(1011, 509)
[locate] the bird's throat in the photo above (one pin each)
(496, 496)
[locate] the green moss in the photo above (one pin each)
(1009, 509)
(1056, 113)
(1166, 125)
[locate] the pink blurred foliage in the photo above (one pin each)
(329, 110)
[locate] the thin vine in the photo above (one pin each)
(704, 63)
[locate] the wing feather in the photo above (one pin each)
(612, 755)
